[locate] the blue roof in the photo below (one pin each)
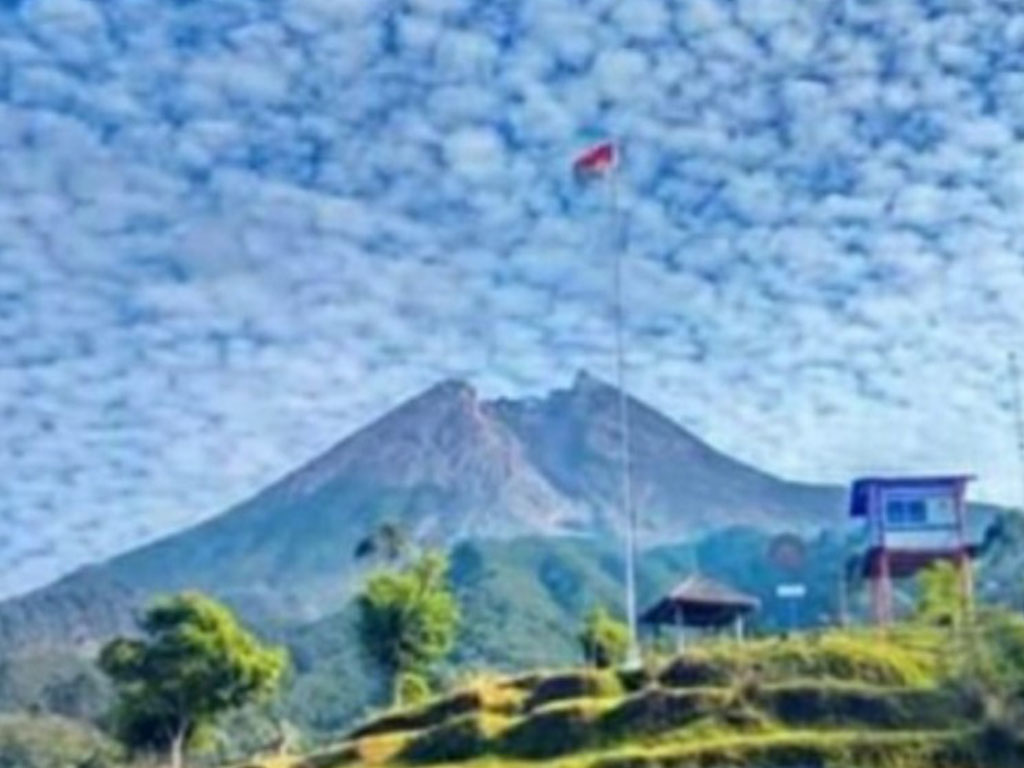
(860, 491)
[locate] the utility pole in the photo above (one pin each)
(1018, 420)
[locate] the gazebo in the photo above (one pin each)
(701, 603)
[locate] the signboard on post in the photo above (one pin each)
(791, 591)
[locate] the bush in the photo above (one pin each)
(53, 742)
(604, 640)
(553, 731)
(698, 670)
(999, 743)
(634, 680)
(658, 710)
(463, 738)
(492, 697)
(857, 704)
(834, 656)
(425, 716)
(413, 689)
(867, 659)
(801, 750)
(331, 757)
(578, 684)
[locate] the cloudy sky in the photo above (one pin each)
(233, 230)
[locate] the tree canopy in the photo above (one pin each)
(603, 639)
(193, 663)
(939, 600)
(408, 617)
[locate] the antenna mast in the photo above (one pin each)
(1018, 418)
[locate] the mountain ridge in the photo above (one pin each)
(448, 466)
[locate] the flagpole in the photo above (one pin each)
(633, 657)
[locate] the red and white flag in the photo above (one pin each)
(596, 160)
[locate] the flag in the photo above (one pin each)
(596, 161)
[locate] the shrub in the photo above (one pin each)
(332, 757)
(577, 684)
(867, 659)
(53, 742)
(835, 656)
(853, 704)
(463, 738)
(697, 669)
(603, 639)
(657, 710)
(634, 680)
(999, 743)
(806, 749)
(425, 716)
(492, 697)
(413, 688)
(552, 731)
(525, 682)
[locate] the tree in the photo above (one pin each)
(939, 600)
(603, 639)
(408, 618)
(194, 663)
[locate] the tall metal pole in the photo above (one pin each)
(1018, 419)
(633, 657)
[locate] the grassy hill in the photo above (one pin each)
(834, 700)
(523, 601)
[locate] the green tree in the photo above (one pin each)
(408, 618)
(604, 640)
(991, 673)
(194, 662)
(939, 599)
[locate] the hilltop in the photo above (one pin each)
(840, 699)
(449, 467)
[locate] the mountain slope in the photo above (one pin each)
(682, 486)
(447, 467)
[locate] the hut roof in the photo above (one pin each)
(700, 602)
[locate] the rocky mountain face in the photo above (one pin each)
(448, 467)
(682, 487)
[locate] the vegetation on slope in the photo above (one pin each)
(837, 699)
(38, 741)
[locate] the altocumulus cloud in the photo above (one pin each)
(233, 230)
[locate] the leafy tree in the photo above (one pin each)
(939, 600)
(990, 672)
(603, 639)
(408, 618)
(194, 663)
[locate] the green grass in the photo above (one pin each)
(799, 749)
(839, 700)
(863, 657)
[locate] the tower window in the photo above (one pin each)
(906, 512)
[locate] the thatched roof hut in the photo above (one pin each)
(701, 602)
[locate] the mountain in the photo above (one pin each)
(682, 486)
(448, 467)
(522, 602)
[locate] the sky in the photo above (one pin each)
(232, 231)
